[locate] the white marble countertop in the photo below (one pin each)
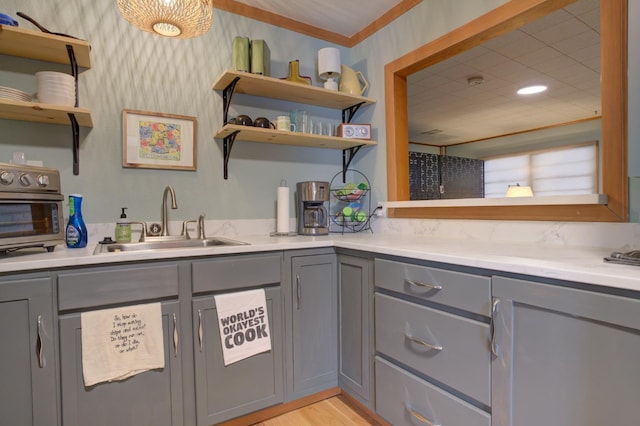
(584, 265)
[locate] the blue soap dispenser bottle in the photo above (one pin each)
(76, 232)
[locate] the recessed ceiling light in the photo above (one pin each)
(530, 90)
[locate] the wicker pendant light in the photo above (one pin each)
(170, 18)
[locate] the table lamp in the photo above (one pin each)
(519, 191)
(329, 66)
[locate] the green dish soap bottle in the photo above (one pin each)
(123, 228)
(76, 232)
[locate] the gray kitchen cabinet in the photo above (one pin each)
(225, 392)
(355, 321)
(150, 398)
(28, 389)
(311, 302)
(565, 356)
(153, 397)
(433, 360)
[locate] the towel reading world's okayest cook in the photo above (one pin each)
(121, 342)
(243, 324)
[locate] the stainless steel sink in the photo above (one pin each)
(166, 243)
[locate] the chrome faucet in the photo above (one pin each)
(164, 215)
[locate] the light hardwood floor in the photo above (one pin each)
(335, 411)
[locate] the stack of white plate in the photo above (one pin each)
(14, 94)
(56, 88)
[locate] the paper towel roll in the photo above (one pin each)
(282, 221)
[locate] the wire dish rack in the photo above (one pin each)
(350, 202)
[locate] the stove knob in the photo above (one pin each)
(25, 180)
(6, 178)
(43, 180)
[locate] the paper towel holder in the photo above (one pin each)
(282, 208)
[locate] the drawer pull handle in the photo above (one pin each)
(424, 285)
(423, 343)
(420, 417)
(200, 328)
(298, 290)
(40, 344)
(492, 326)
(175, 336)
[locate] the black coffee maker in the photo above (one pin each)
(313, 218)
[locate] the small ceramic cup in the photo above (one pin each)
(284, 123)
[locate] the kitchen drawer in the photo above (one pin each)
(113, 285)
(404, 399)
(463, 363)
(231, 272)
(463, 291)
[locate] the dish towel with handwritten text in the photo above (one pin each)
(243, 324)
(121, 342)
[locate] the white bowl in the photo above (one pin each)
(56, 86)
(58, 90)
(56, 99)
(55, 76)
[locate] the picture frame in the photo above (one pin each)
(155, 140)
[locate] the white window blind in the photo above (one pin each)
(564, 171)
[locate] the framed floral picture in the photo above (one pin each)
(154, 140)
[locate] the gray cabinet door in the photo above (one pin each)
(314, 323)
(151, 398)
(566, 356)
(224, 392)
(28, 394)
(355, 315)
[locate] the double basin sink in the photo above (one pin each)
(160, 243)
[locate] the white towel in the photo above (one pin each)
(244, 324)
(121, 342)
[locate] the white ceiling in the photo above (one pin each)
(344, 17)
(561, 51)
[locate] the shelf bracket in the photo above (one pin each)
(227, 145)
(227, 94)
(75, 128)
(348, 113)
(74, 68)
(347, 156)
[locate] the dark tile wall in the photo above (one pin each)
(433, 177)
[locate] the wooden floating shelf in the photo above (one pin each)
(269, 87)
(41, 46)
(43, 113)
(258, 134)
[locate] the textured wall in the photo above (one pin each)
(133, 69)
(137, 70)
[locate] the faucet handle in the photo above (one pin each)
(200, 229)
(144, 232)
(185, 229)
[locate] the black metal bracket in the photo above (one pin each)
(74, 68)
(75, 129)
(227, 94)
(348, 113)
(347, 156)
(227, 145)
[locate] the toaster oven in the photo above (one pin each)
(30, 208)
